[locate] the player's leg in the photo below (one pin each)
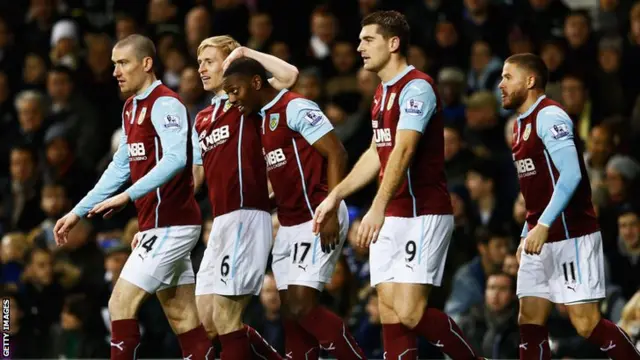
(124, 303)
(398, 340)
(310, 270)
(227, 315)
(534, 291)
(205, 304)
(581, 266)
(421, 247)
(299, 344)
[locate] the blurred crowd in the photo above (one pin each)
(60, 115)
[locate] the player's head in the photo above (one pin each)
(522, 73)
(384, 34)
(243, 80)
(211, 54)
(133, 59)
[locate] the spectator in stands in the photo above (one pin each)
(260, 31)
(488, 208)
(552, 53)
(20, 205)
(452, 85)
(518, 218)
(624, 259)
(484, 133)
(42, 292)
(39, 22)
(191, 92)
(74, 338)
(22, 340)
(419, 59)
(12, 250)
(582, 51)
(510, 265)
(493, 326)
(63, 166)
(323, 33)
(600, 148)
(125, 25)
(457, 156)
(31, 117)
(485, 72)
(576, 101)
(271, 329)
(449, 48)
(34, 72)
(470, 281)
(197, 27)
(54, 204)
(175, 62)
(281, 50)
(608, 85)
(546, 17)
(610, 17)
(309, 85)
(64, 44)
(630, 321)
(486, 20)
(341, 78)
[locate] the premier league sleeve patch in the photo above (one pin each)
(172, 122)
(414, 107)
(559, 131)
(314, 117)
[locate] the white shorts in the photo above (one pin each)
(411, 250)
(235, 259)
(298, 258)
(162, 258)
(566, 272)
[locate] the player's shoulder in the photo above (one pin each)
(204, 114)
(552, 113)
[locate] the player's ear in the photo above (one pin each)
(394, 44)
(147, 64)
(256, 82)
(531, 82)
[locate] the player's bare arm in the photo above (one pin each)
(364, 172)
(395, 172)
(332, 149)
(198, 177)
(284, 74)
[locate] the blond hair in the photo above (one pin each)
(225, 43)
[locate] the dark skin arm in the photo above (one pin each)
(330, 147)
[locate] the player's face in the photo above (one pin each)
(128, 69)
(374, 49)
(513, 86)
(210, 68)
(242, 92)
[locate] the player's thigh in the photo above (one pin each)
(309, 265)
(422, 244)
(534, 276)
(179, 305)
(162, 258)
(578, 270)
(126, 298)
(228, 310)
(240, 248)
(205, 306)
(280, 261)
(386, 303)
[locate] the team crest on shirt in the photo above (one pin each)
(527, 132)
(274, 119)
(143, 113)
(392, 97)
(227, 106)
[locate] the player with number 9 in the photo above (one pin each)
(155, 152)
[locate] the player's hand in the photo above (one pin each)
(63, 226)
(370, 227)
(519, 251)
(535, 239)
(330, 233)
(110, 206)
(135, 241)
(325, 209)
(235, 54)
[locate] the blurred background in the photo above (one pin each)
(60, 115)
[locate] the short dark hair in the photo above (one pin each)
(485, 234)
(61, 69)
(390, 24)
(24, 147)
(534, 64)
(142, 45)
(512, 285)
(248, 67)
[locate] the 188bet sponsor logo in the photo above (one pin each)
(217, 137)
(275, 158)
(525, 167)
(136, 151)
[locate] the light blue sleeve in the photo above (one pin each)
(116, 174)
(525, 230)
(555, 129)
(169, 118)
(417, 104)
(305, 117)
(195, 142)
